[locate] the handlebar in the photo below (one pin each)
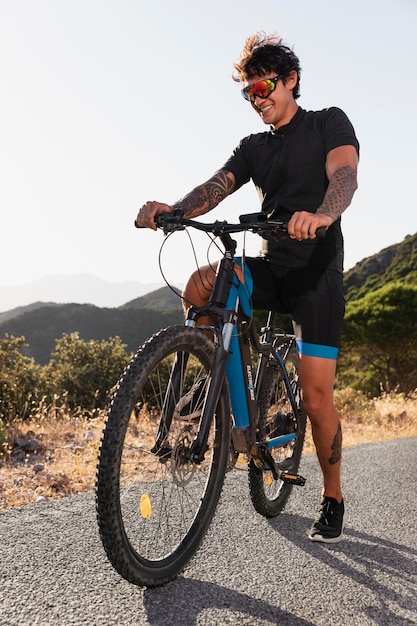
(256, 222)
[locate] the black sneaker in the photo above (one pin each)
(190, 406)
(329, 526)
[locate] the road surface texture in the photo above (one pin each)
(250, 570)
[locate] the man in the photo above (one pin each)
(304, 169)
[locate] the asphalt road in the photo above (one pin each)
(250, 571)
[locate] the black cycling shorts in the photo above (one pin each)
(313, 296)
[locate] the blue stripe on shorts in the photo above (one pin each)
(316, 349)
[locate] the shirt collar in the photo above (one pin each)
(283, 130)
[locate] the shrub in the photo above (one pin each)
(19, 379)
(83, 372)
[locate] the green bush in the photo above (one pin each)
(84, 371)
(379, 347)
(19, 379)
(80, 374)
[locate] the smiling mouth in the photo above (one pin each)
(265, 109)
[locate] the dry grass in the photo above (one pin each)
(55, 457)
(367, 420)
(48, 458)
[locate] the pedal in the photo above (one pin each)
(293, 479)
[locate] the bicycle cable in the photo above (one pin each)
(166, 281)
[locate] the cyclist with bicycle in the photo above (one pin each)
(304, 168)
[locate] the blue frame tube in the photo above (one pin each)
(239, 294)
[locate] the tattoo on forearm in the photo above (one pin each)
(339, 193)
(197, 198)
(206, 196)
(336, 447)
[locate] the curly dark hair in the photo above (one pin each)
(263, 54)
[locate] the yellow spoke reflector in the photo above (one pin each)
(145, 506)
(268, 479)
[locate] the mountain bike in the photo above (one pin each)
(191, 401)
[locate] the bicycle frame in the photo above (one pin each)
(230, 301)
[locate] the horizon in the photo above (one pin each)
(125, 290)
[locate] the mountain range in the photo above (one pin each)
(81, 288)
(41, 323)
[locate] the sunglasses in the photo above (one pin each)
(261, 89)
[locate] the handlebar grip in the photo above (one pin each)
(159, 220)
(162, 219)
(321, 232)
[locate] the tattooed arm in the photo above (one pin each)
(207, 196)
(341, 167)
(200, 200)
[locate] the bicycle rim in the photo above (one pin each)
(153, 505)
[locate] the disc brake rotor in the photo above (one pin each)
(182, 468)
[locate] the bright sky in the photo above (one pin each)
(106, 104)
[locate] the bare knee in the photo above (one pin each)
(198, 288)
(317, 380)
(312, 407)
(318, 406)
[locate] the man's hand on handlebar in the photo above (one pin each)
(303, 225)
(147, 213)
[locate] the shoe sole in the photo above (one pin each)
(320, 539)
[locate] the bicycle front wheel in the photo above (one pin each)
(154, 504)
(277, 417)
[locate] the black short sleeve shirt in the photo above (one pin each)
(287, 167)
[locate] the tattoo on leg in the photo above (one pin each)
(336, 447)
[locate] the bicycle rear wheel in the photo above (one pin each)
(276, 417)
(154, 505)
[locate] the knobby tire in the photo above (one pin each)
(154, 506)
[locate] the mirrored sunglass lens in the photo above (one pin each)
(261, 89)
(264, 88)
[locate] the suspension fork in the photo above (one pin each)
(171, 397)
(216, 306)
(224, 302)
(214, 387)
(173, 393)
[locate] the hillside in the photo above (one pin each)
(164, 299)
(21, 310)
(397, 262)
(42, 325)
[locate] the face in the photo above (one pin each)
(279, 106)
